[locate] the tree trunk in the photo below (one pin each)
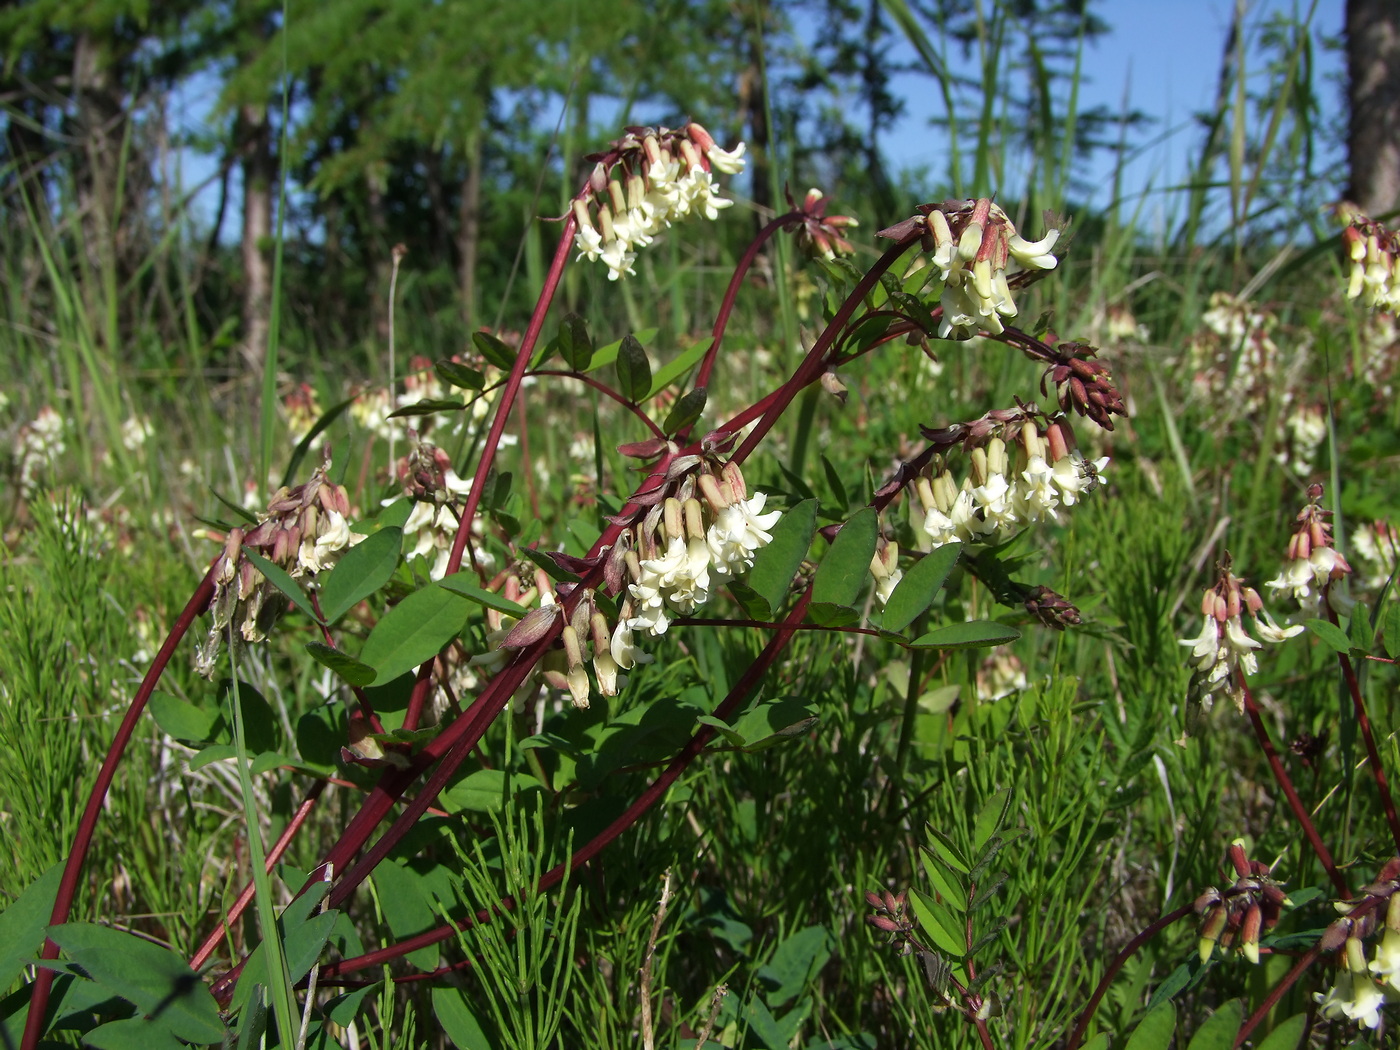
(1373, 92)
(753, 110)
(97, 125)
(469, 230)
(255, 149)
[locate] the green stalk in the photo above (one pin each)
(280, 991)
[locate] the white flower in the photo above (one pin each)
(1036, 496)
(1270, 631)
(319, 552)
(1034, 255)
(738, 530)
(1296, 578)
(885, 585)
(589, 243)
(1073, 476)
(1204, 647)
(136, 431)
(1386, 964)
(996, 502)
(619, 260)
(624, 653)
(728, 162)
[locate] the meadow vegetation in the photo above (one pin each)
(719, 622)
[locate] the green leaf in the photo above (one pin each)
(155, 980)
(944, 929)
(575, 346)
(210, 754)
(838, 488)
(974, 634)
(677, 366)
(462, 584)
(795, 963)
(945, 881)
(685, 411)
(1218, 1031)
(1331, 635)
(607, 354)
(361, 571)
(309, 438)
(846, 566)
(181, 719)
(414, 631)
(485, 791)
(919, 586)
(350, 670)
(282, 582)
(320, 733)
(1359, 631)
(734, 738)
(633, 370)
(22, 924)
(943, 848)
(1391, 630)
(990, 819)
(345, 1008)
(459, 1023)
(1099, 1042)
(1287, 1035)
(774, 721)
(454, 373)
(825, 614)
(259, 723)
(1155, 1031)
(495, 351)
(552, 568)
(428, 406)
(131, 1033)
(775, 564)
(756, 607)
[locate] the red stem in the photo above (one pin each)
(1286, 785)
(1276, 993)
(1377, 770)
(1077, 1036)
(87, 826)
(741, 691)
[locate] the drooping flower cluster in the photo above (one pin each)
(1223, 646)
(1372, 251)
(37, 447)
(683, 541)
(1313, 563)
(651, 178)
(1362, 986)
(304, 532)
(1238, 914)
(998, 495)
(980, 259)
(428, 479)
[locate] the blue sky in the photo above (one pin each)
(1164, 57)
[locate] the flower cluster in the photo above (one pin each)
(1223, 646)
(999, 495)
(1373, 251)
(1375, 546)
(304, 531)
(650, 179)
(1247, 907)
(37, 447)
(428, 479)
(1363, 987)
(980, 258)
(1313, 563)
(684, 541)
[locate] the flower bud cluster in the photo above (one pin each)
(1313, 563)
(884, 566)
(998, 495)
(683, 541)
(1223, 646)
(890, 915)
(1238, 914)
(651, 178)
(1372, 251)
(980, 258)
(820, 234)
(304, 531)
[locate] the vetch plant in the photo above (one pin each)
(451, 609)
